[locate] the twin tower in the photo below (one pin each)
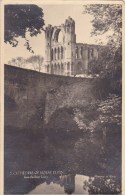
(63, 56)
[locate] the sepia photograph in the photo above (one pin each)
(62, 97)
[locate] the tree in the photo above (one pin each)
(36, 61)
(104, 64)
(19, 62)
(20, 19)
(101, 125)
(103, 185)
(107, 18)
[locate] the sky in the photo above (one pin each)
(54, 15)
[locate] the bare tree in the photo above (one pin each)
(19, 62)
(36, 61)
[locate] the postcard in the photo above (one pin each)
(61, 81)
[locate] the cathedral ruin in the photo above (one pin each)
(63, 56)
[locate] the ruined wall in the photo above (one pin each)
(60, 48)
(63, 56)
(31, 97)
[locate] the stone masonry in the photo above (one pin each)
(63, 56)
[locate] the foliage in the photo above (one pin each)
(19, 62)
(100, 143)
(103, 185)
(107, 19)
(107, 64)
(36, 61)
(105, 113)
(20, 19)
(110, 111)
(104, 64)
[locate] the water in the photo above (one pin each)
(66, 184)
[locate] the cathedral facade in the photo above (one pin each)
(63, 56)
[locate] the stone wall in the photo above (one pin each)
(63, 56)
(31, 97)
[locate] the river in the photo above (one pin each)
(66, 184)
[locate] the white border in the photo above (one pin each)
(49, 2)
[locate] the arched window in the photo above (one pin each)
(61, 69)
(58, 53)
(55, 53)
(76, 52)
(92, 52)
(47, 68)
(58, 69)
(81, 52)
(62, 66)
(61, 52)
(68, 66)
(47, 34)
(51, 54)
(55, 68)
(52, 69)
(88, 53)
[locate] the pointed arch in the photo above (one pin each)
(72, 67)
(62, 52)
(62, 69)
(48, 68)
(58, 53)
(81, 52)
(52, 69)
(68, 66)
(76, 52)
(58, 68)
(55, 68)
(55, 52)
(52, 54)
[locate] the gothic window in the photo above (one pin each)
(76, 52)
(63, 39)
(68, 26)
(52, 54)
(81, 52)
(59, 66)
(58, 53)
(92, 52)
(52, 69)
(61, 52)
(62, 66)
(60, 37)
(58, 69)
(55, 68)
(47, 68)
(88, 53)
(68, 66)
(61, 69)
(55, 53)
(48, 34)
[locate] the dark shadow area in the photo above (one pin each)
(52, 125)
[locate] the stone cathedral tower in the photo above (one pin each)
(63, 56)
